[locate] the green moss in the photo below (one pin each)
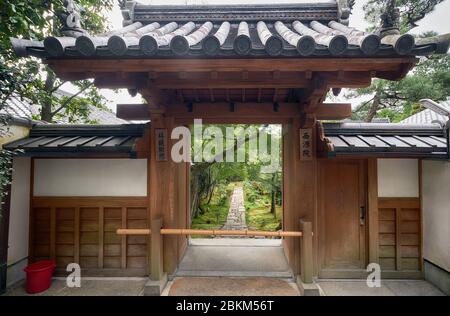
(260, 218)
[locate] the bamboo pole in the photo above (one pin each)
(305, 44)
(337, 45)
(210, 232)
(272, 44)
(242, 43)
(369, 43)
(150, 43)
(180, 44)
(212, 43)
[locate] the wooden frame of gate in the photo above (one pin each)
(156, 243)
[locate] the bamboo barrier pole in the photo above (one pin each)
(215, 232)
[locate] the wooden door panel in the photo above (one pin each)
(341, 233)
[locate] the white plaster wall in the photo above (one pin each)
(20, 209)
(90, 177)
(398, 178)
(436, 212)
(13, 132)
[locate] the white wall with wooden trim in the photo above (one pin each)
(398, 178)
(19, 219)
(436, 212)
(90, 177)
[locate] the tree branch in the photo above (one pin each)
(65, 103)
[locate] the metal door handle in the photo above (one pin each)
(362, 215)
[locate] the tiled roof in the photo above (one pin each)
(68, 140)
(22, 108)
(385, 140)
(428, 116)
(300, 30)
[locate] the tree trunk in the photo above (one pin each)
(374, 107)
(46, 110)
(273, 192)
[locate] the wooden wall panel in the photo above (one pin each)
(400, 234)
(83, 230)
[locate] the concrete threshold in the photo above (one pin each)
(223, 257)
(236, 242)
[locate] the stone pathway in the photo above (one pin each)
(236, 213)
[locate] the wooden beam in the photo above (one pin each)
(226, 65)
(324, 111)
(133, 111)
(333, 111)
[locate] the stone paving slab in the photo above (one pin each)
(225, 286)
(89, 287)
(388, 288)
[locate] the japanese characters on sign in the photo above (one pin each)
(306, 147)
(161, 144)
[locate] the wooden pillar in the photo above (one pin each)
(300, 188)
(162, 191)
(372, 188)
(156, 270)
(307, 265)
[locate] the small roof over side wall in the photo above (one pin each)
(80, 140)
(384, 140)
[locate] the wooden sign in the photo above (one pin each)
(306, 145)
(161, 144)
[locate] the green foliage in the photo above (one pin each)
(430, 79)
(411, 11)
(400, 99)
(35, 19)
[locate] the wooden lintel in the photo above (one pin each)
(242, 111)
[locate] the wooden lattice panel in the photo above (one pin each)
(83, 230)
(400, 234)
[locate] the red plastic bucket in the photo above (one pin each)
(39, 276)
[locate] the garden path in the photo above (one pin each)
(236, 213)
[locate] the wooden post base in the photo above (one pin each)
(307, 289)
(155, 287)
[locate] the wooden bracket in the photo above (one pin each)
(190, 107)
(276, 106)
(232, 107)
